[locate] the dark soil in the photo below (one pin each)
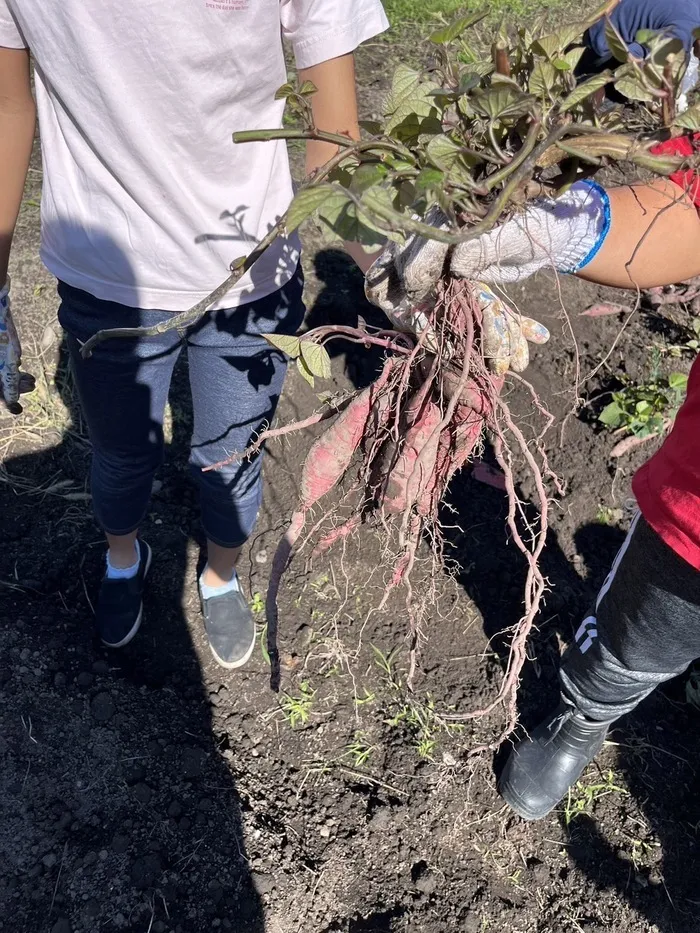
(148, 791)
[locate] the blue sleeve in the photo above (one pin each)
(677, 17)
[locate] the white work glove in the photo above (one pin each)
(505, 335)
(563, 233)
(688, 83)
(12, 381)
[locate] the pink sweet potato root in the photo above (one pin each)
(402, 440)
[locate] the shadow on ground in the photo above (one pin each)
(127, 816)
(645, 861)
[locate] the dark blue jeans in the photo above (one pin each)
(235, 378)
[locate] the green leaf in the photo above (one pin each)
(285, 91)
(307, 89)
(456, 28)
(661, 47)
(409, 98)
(585, 90)
(678, 381)
(645, 36)
(366, 175)
(339, 214)
(306, 203)
(611, 416)
(445, 153)
(305, 372)
(288, 345)
(502, 102)
(316, 359)
(561, 64)
(430, 177)
(371, 127)
(554, 45)
(573, 57)
(690, 120)
(630, 81)
(542, 79)
(616, 43)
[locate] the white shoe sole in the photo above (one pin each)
(232, 665)
(137, 624)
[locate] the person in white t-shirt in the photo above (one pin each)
(145, 203)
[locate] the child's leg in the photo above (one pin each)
(643, 630)
(236, 379)
(123, 388)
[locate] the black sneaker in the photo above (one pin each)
(230, 627)
(120, 604)
(543, 767)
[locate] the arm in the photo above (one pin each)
(654, 238)
(334, 109)
(17, 125)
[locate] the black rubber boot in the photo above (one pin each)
(542, 767)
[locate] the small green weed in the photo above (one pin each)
(385, 663)
(263, 645)
(367, 697)
(608, 516)
(691, 344)
(582, 797)
(298, 709)
(257, 604)
(642, 853)
(644, 409)
(424, 723)
(360, 749)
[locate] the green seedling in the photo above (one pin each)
(257, 604)
(643, 409)
(297, 709)
(582, 798)
(608, 516)
(360, 749)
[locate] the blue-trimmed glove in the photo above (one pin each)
(563, 233)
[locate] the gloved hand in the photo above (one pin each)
(12, 381)
(505, 335)
(563, 233)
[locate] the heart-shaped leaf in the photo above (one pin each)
(584, 90)
(306, 203)
(304, 371)
(316, 358)
(456, 28)
(288, 345)
(616, 44)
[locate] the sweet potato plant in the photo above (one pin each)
(477, 134)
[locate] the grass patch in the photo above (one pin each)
(420, 11)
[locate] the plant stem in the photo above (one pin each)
(336, 139)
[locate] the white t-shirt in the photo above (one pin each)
(146, 200)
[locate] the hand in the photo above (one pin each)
(563, 233)
(505, 336)
(12, 381)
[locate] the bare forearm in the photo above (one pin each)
(17, 125)
(335, 111)
(334, 106)
(654, 238)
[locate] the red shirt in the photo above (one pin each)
(667, 487)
